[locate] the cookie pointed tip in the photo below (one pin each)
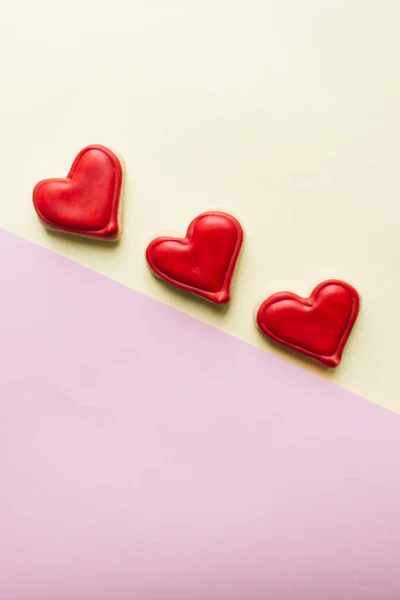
(332, 361)
(222, 297)
(113, 231)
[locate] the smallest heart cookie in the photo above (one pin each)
(88, 201)
(204, 261)
(318, 326)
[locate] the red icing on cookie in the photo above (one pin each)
(203, 262)
(87, 201)
(318, 326)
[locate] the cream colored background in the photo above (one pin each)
(284, 112)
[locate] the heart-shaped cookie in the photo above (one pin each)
(203, 262)
(318, 326)
(87, 202)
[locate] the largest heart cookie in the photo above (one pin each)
(204, 261)
(87, 201)
(317, 326)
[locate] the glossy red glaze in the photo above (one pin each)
(87, 201)
(318, 326)
(204, 261)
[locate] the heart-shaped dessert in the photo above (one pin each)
(87, 202)
(317, 326)
(203, 262)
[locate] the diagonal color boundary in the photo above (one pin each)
(145, 455)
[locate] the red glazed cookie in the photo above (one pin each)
(203, 262)
(318, 326)
(88, 201)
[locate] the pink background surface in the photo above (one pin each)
(147, 456)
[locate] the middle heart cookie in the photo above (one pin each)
(204, 261)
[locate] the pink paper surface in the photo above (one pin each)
(145, 455)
